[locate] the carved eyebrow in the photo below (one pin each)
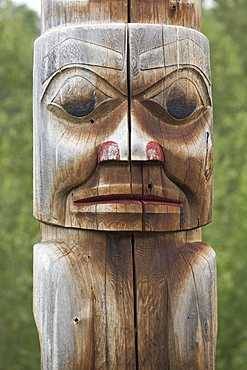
(80, 71)
(168, 56)
(187, 72)
(75, 51)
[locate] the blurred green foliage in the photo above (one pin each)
(19, 348)
(225, 26)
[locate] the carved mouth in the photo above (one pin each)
(128, 199)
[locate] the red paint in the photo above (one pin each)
(112, 201)
(128, 199)
(109, 151)
(154, 152)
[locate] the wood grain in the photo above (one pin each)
(166, 75)
(123, 182)
(176, 306)
(145, 301)
(67, 140)
(83, 300)
(76, 12)
(171, 12)
(185, 13)
(164, 105)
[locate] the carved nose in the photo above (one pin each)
(142, 146)
(146, 151)
(154, 152)
(109, 151)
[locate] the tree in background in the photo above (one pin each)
(19, 348)
(226, 28)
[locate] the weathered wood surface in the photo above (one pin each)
(123, 182)
(141, 166)
(175, 287)
(185, 13)
(122, 301)
(84, 300)
(66, 12)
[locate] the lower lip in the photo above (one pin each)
(127, 199)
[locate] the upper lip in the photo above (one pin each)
(128, 198)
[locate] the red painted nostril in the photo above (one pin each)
(154, 152)
(109, 151)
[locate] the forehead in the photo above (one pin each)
(93, 46)
(158, 48)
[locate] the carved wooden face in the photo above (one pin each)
(123, 130)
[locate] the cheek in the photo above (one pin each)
(68, 152)
(76, 158)
(188, 153)
(188, 165)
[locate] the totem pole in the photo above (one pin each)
(123, 184)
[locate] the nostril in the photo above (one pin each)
(109, 151)
(154, 152)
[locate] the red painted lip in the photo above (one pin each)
(127, 199)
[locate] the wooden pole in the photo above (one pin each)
(123, 184)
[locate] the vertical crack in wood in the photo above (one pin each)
(206, 171)
(135, 300)
(129, 11)
(129, 101)
(143, 205)
(132, 236)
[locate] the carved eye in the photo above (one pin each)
(178, 104)
(181, 99)
(79, 97)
